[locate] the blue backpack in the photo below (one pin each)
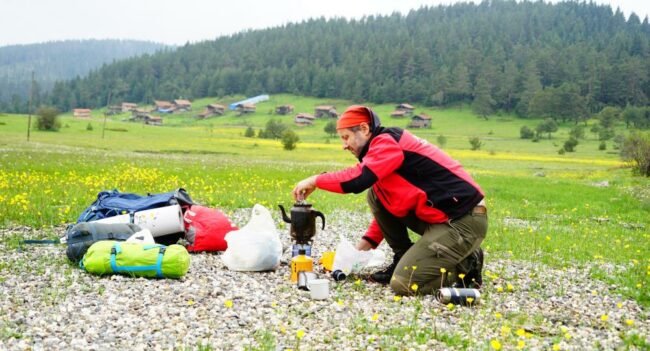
(113, 203)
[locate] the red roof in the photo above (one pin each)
(82, 110)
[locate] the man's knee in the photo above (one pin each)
(399, 285)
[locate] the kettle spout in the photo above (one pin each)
(284, 215)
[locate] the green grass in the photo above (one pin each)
(559, 218)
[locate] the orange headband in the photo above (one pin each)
(352, 117)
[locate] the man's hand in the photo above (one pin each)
(304, 188)
(363, 245)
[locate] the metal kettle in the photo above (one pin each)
(303, 221)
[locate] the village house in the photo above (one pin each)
(326, 111)
(153, 120)
(284, 109)
(245, 108)
(83, 113)
(420, 121)
(408, 109)
(113, 110)
(162, 106)
(212, 110)
(304, 119)
(129, 106)
(182, 106)
(139, 113)
(398, 114)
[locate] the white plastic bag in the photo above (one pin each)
(350, 260)
(144, 236)
(256, 246)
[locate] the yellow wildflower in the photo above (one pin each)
(498, 315)
(461, 276)
(300, 333)
(414, 287)
(495, 344)
(604, 318)
(520, 332)
(228, 303)
(443, 270)
(556, 347)
(397, 298)
(520, 345)
(629, 322)
(374, 317)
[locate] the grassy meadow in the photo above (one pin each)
(544, 207)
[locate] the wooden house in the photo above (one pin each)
(326, 111)
(153, 120)
(420, 121)
(162, 106)
(113, 110)
(83, 113)
(128, 106)
(245, 108)
(212, 110)
(398, 114)
(284, 109)
(408, 109)
(304, 119)
(182, 106)
(138, 112)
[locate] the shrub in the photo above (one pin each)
(561, 151)
(577, 132)
(475, 143)
(602, 146)
(526, 133)
(273, 130)
(48, 119)
(289, 139)
(441, 140)
(570, 145)
(605, 134)
(250, 132)
(548, 126)
(330, 128)
(89, 126)
(636, 148)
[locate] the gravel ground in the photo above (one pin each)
(47, 303)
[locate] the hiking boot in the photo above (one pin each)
(474, 276)
(384, 276)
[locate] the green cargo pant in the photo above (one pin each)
(442, 245)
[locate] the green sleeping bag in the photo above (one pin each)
(136, 259)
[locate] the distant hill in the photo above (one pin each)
(565, 60)
(60, 60)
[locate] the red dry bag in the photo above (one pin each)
(206, 229)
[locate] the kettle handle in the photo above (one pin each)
(321, 215)
(284, 215)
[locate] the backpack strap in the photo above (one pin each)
(116, 249)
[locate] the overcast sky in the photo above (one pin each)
(181, 21)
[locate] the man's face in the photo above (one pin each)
(355, 141)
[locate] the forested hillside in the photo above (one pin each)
(566, 60)
(56, 61)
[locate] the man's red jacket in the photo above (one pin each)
(408, 174)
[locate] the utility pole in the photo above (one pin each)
(31, 96)
(108, 104)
